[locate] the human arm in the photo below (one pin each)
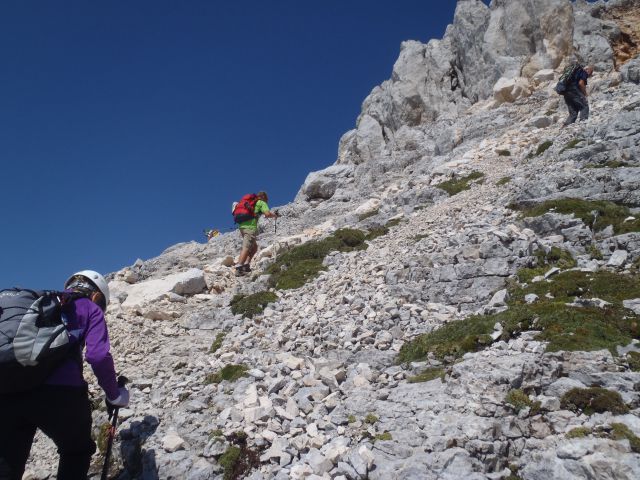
(582, 85)
(97, 353)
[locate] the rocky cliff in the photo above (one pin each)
(456, 297)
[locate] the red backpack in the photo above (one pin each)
(245, 208)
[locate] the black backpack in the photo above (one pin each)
(33, 337)
(567, 76)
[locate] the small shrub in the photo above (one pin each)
(619, 431)
(503, 153)
(228, 461)
(594, 252)
(578, 432)
(217, 343)
(239, 459)
(454, 186)
(383, 230)
(371, 418)
(250, 305)
(217, 433)
(230, 373)
(503, 181)
(634, 361)
(427, 375)
(352, 419)
(593, 400)
(383, 436)
(518, 399)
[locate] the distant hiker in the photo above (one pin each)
(58, 405)
(246, 214)
(573, 87)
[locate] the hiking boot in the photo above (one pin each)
(246, 268)
(239, 269)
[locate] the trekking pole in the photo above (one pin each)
(113, 416)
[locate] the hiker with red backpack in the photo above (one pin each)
(246, 214)
(573, 87)
(41, 380)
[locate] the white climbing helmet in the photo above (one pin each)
(95, 278)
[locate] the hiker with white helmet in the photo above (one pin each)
(58, 405)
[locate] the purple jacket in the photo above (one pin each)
(86, 325)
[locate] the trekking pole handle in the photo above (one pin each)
(122, 381)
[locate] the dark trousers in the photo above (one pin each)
(576, 103)
(62, 413)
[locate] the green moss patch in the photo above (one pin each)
(579, 432)
(503, 153)
(427, 375)
(230, 373)
(565, 327)
(217, 343)
(598, 214)
(457, 185)
(619, 431)
(503, 181)
(250, 305)
(453, 339)
(383, 436)
(593, 400)
(297, 266)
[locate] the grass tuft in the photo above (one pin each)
(457, 185)
(503, 181)
(619, 431)
(543, 147)
(555, 257)
(217, 343)
(372, 213)
(383, 436)
(518, 399)
(371, 419)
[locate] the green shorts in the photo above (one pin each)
(249, 238)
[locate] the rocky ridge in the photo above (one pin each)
(323, 395)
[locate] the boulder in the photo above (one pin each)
(190, 282)
(508, 90)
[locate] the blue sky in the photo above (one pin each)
(129, 126)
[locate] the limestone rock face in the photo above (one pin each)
(312, 384)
